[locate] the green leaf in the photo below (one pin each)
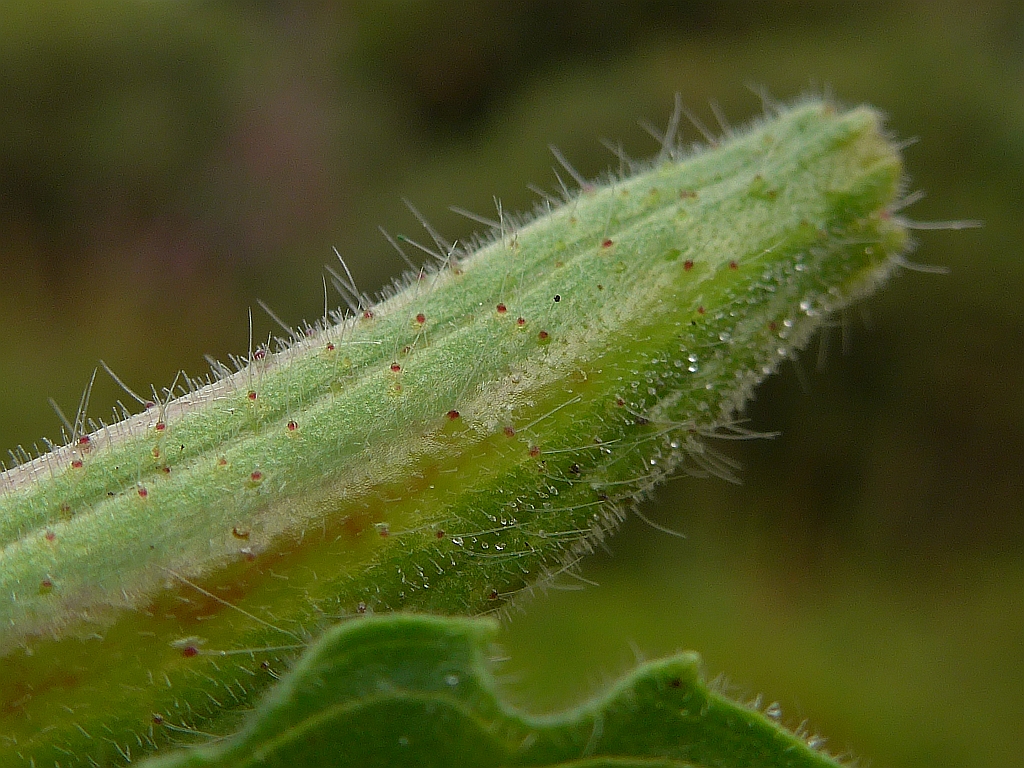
(415, 690)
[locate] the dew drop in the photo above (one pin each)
(457, 541)
(452, 680)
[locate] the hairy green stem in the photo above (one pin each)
(442, 450)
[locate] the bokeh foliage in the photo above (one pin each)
(163, 164)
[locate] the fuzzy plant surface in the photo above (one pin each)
(441, 450)
(417, 691)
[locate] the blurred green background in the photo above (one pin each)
(165, 164)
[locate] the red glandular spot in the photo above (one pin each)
(502, 309)
(159, 426)
(330, 347)
(534, 451)
(189, 651)
(143, 493)
(733, 265)
(606, 243)
(368, 314)
(520, 321)
(492, 595)
(453, 414)
(688, 265)
(256, 476)
(440, 533)
(50, 535)
(509, 431)
(251, 395)
(395, 367)
(292, 426)
(543, 335)
(76, 463)
(421, 318)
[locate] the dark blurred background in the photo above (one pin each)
(164, 164)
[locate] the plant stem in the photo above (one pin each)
(443, 450)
